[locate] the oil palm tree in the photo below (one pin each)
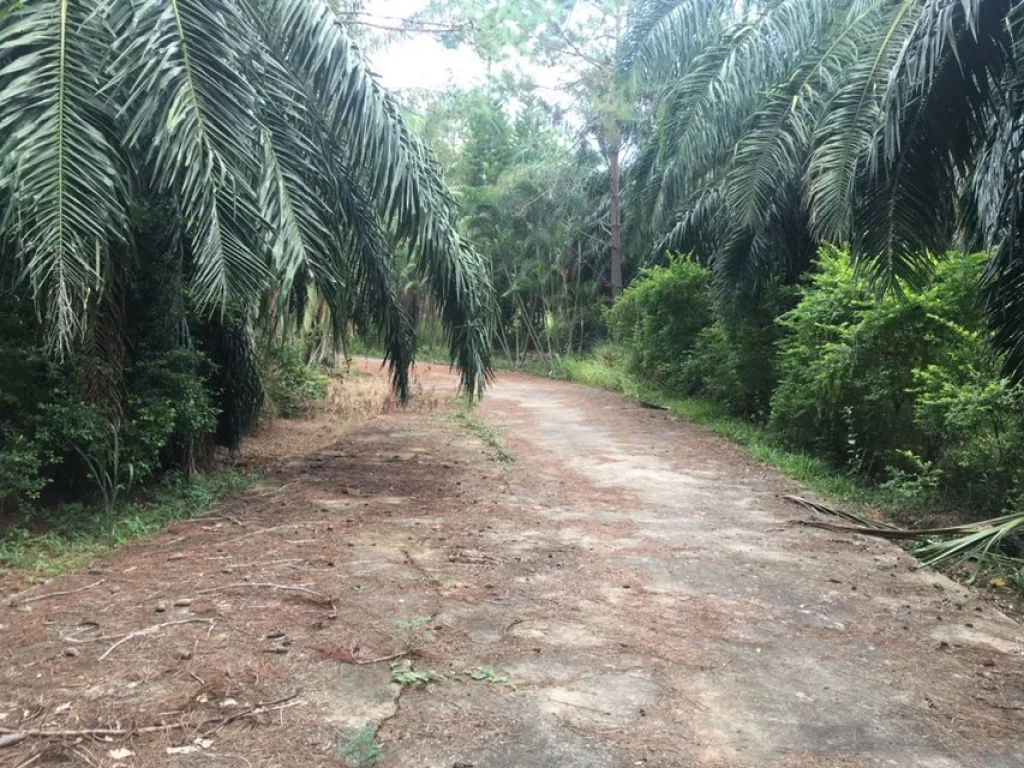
(255, 127)
(894, 128)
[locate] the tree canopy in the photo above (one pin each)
(257, 130)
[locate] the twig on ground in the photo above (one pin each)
(220, 722)
(392, 657)
(261, 563)
(44, 734)
(257, 709)
(149, 631)
(268, 585)
(577, 706)
(212, 519)
(18, 601)
(84, 756)
(264, 530)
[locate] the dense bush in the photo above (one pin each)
(906, 389)
(53, 436)
(733, 360)
(668, 322)
(660, 317)
(289, 382)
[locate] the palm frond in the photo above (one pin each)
(60, 168)
(183, 65)
(666, 34)
(934, 111)
(401, 176)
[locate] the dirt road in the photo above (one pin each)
(627, 592)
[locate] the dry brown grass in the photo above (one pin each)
(352, 399)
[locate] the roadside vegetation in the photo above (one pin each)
(191, 231)
(899, 404)
(71, 535)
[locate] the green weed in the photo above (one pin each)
(361, 750)
(491, 676)
(410, 635)
(407, 677)
(70, 535)
(487, 434)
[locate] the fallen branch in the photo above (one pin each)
(882, 533)
(826, 510)
(257, 709)
(978, 541)
(897, 533)
(16, 601)
(266, 585)
(151, 630)
(392, 657)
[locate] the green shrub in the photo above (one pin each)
(170, 411)
(668, 322)
(734, 360)
(905, 389)
(50, 435)
(290, 383)
(659, 318)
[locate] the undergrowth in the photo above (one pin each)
(70, 535)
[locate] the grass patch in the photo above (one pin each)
(606, 370)
(361, 749)
(488, 435)
(490, 676)
(68, 536)
(404, 675)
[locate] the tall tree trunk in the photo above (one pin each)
(614, 220)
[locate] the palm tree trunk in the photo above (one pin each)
(614, 220)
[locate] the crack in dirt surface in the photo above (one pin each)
(627, 593)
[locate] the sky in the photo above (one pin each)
(420, 61)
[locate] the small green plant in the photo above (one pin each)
(106, 468)
(290, 383)
(488, 435)
(403, 673)
(410, 635)
(490, 676)
(361, 749)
